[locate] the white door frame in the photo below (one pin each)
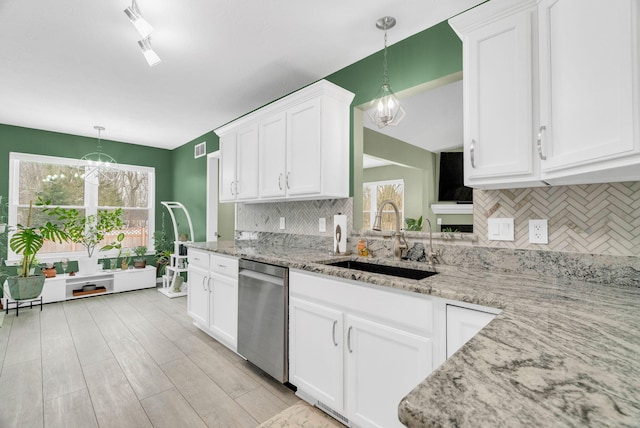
(213, 176)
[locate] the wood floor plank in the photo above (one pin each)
(21, 395)
(211, 403)
(73, 410)
(161, 349)
(125, 360)
(169, 409)
(225, 374)
(143, 373)
(24, 339)
(261, 404)
(61, 375)
(114, 402)
(270, 384)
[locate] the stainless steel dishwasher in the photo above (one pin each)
(263, 305)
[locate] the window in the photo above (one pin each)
(59, 180)
(374, 194)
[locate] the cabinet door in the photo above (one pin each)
(134, 279)
(54, 290)
(462, 325)
(303, 149)
(384, 364)
(223, 321)
(228, 167)
(316, 351)
(198, 295)
(498, 102)
(272, 153)
(588, 60)
(247, 163)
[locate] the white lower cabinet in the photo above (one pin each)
(463, 324)
(316, 348)
(357, 350)
(213, 295)
(198, 294)
(383, 364)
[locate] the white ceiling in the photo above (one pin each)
(68, 65)
(433, 119)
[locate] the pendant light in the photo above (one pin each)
(385, 109)
(96, 167)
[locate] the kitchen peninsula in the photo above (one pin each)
(561, 352)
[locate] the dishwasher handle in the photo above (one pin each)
(260, 277)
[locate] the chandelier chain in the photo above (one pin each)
(385, 74)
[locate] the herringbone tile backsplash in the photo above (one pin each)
(593, 219)
(301, 217)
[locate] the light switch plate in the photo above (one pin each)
(322, 224)
(281, 223)
(538, 231)
(500, 229)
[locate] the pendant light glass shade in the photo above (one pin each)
(96, 167)
(385, 109)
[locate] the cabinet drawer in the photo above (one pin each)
(199, 258)
(227, 266)
(415, 313)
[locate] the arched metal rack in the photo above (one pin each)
(177, 261)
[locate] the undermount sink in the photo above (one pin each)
(383, 269)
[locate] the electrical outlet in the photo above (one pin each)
(538, 231)
(438, 220)
(322, 224)
(281, 223)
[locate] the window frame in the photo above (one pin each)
(374, 198)
(90, 200)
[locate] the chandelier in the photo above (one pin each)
(96, 167)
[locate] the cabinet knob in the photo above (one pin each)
(349, 339)
(280, 181)
(288, 176)
(472, 153)
(539, 142)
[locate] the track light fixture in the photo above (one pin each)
(138, 21)
(149, 54)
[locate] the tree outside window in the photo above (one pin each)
(60, 181)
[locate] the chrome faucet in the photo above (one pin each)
(432, 256)
(398, 247)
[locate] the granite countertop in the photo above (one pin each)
(561, 352)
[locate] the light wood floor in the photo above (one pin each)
(126, 360)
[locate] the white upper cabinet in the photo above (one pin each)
(239, 164)
(498, 105)
(272, 149)
(303, 149)
(589, 90)
(551, 92)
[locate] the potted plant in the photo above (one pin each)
(140, 262)
(124, 261)
(117, 245)
(413, 224)
(163, 248)
(86, 230)
(27, 241)
(49, 270)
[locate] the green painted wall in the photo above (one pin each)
(423, 57)
(190, 188)
(26, 140)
